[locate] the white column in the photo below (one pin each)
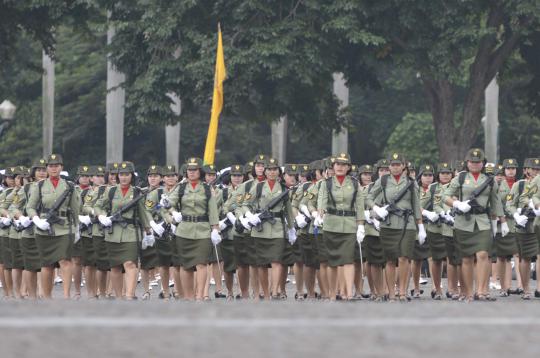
(48, 103)
(172, 134)
(491, 122)
(116, 98)
(279, 139)
(340, 139)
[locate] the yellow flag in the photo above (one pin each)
(217, 103)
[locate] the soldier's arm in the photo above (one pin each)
(6, 204)
(33, 201)
(102, 204)
(512, 200)
(373, 194)
(417, 209)
(437, 201)
(213, 215)
(289, 213)
(311, 198)
(322, 199)
(249, 200)
(144, 216)
(295, 200)
(239, 199)
(496, 204)
(451, 192)
(75, 206)
(88, 206)
(360, 204)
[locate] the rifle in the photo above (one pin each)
(529, 213)
(475, 206)
(266, 215)
(392, 204)
(52, 215)
(117, 217)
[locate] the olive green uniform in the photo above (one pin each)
(306, 239)
(227, 246)
(17, 260)
(32, 260)
(374, 250)
(244, 245)
(101, 254)
(505, 246)
(526, 238)
(312, 204)
(161, 254)
(430, 200)
(447, 231)
(6, 258)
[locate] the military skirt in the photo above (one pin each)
(53, 249)
(148, 257)
(321, 248)
(395, 246)
(244, 250)
(17, 258)
(357, 252)
(437, 246)
(193, 252)
(469, 243)
(164, 250)
(291, 253)
(268, 250)
(505, 246)
(421, 252)
(88, 251)
(308, 250)
(7, 259)
(528, 246)
(31, 258)
(228, 255)
(374, 250)
(101, 252)
(452, 252)
(122, 252)
(341, 248)
(77, 249)
(212, 258)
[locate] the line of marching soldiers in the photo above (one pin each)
(332, 222)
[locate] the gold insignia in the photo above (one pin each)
(149, 204)
(311, 196)
(237, 167)
(306, 167)
(88, 198)
(536, 161)
(293, 167)
(85, 169)
(272, 161)
(250, 164)
(533, 190)
(239, 198)
(395, 156)
(445, 165)
(247, 196)
(367, 167)
(211, 166)
(510, 161)
(15, 198)
(475, 153)
(115, 165)
(261, 157)
(53, 156)
(124, 165)
(332, 160)
(169, 167)
(153, 167)
(305, 193)
(12, 169)
(193, 160)
(526, 190)
(100, 169)
(509, 197)
(42, 161)
(343, 155)
(428, 167)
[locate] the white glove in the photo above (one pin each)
(17, 222)
(222, 225)
(105, 220)
(6, 221)
(462, 206)
(521, 220)
(376, 224)
(85, 219)
(245, 223)
(367, 214)
(231, 217)
(432, 216)
(291, 233)
(25, 221)
(304, 209)
(494, 227)
(381, 212)
(504, 229)
(148, 241)
(164, 201)
(173, 228)
(318, 221)
(158, 229)
(215, 237)
(177, 217)
(42, 224)
(421, 234)
(254, 220)
(360, 234)
(301, 221)
(77, 234)
(144, 243)
(449, 217)
(536, 211)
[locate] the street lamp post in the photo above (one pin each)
(7, 114)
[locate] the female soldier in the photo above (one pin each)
(395, 201)
(431, 211)
(149, 255)
(473, 227)
(506, 247)
(7, 279)
(522, 203)
(122, 236)
(341, 205)
(269, 237)
(194, 209)
(54, 197)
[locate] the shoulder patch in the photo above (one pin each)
(247, 196)
(149, 204)
(239, 198)
(88, 198)
(509, 197)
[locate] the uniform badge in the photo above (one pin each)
(239, 198)
(311, 196)
(248, 196)
(15, 198)
(88, 198)
(509, 197)
(149, 204)
(305, 193)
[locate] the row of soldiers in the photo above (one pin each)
(332, 222)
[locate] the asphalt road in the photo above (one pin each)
(219, 328)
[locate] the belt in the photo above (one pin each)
(126, 220)
(195, 219)
(337, 212)
(477, 210)
(277, 215)
(63, 213)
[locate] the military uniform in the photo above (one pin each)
(306, 240)
(14, 200)
(218, 194)
(506, 246)
(149, 255)
(6, 256)
(291, 253)
(43, 196)
(84, 247)
(373, 249)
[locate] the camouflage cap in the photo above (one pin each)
(535, 163)
(271, 163)
(292, 169)
(316, 165)
(194, 163)
(183, 169)
(40, 163)
(396, 158)
(427, 169)
(126, 167)
(169, 170)
(260, 159)
(237, 169)
(527, 163)
(209, 169)
(475, 155)
(366, 168)
(304, 169)
(98, 170)
(354, 168)
(85, 170)
(20, 170)
(444, 167)
(28, 172)
(55, 159)
(153, 169)
(510, 163)
(382, 163)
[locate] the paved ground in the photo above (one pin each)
(268, 329)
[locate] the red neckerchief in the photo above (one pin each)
(510, 182)
(475, 175)
(261, 178)
(425, 188)
(54, 181)
(194, 184)
(271, 184)
(84, 187)
(340, 179)
(397, 177)
(124, 190)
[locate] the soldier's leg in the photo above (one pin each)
(404, 269)
(202, 273)
(66, 267)
(467, 274)
(17, 282)
(436, 275)
(263, 281)
(76, 270)
(416, 270)
(348, 275)
(131, 278)
(164, 274)
(390, 273)
(90, 278)
(483, 266)
(277, 271)
(47, 277)
(117, 280)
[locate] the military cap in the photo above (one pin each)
(209, 169)
(154, 169)
(183, 169)
(260, 159)
(527, 163)
(396, 158)
(475, 155)
(248, 167)
(366, 168)
(113, 168)
(490, 168)
(271, 163)
(84, 170)
(126, 167)
(316, 165)
(20, 170)
(343, 158)
(499, 169)
(237, 169)
(40, 163)
(11, 171)
(329, 162)
(535, 163)
(427, 169)
(169, 170)
(28, 172)
(411, 166)
(354, 168)
(382, 163)
(194, 163)
(55, 159)
(459, 165)
(291, 169)
(304, 169)
(510, 163)
(444, 167)
(98, 170)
